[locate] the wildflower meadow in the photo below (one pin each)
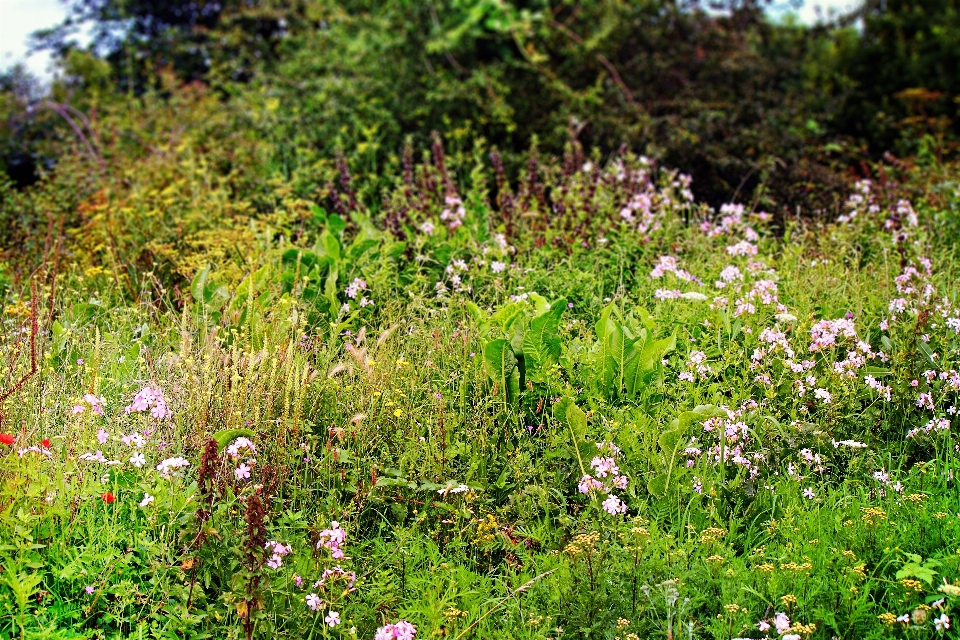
(253, 391)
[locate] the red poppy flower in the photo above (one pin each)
(45, 443)
(6, 438)
(107, 497)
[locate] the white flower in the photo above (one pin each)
(942, 623)
(147, 500)
(138, 460)
(497, 267)
(694, 295)
(460, 488)
(823, 395)
(169, 467)
(332, 619)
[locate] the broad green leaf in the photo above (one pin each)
(540, 304)
(360, 247)
(476, 313)
(541, 341)
(226, 436)
(657, 485)
(506, 315)
(331, 245)
(199, 283)
(499, 360)
(576, 421)
(336, 224)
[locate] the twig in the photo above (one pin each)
(34, 330)
(602, 59)
(519, 589)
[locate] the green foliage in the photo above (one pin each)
(627, 355)
(257, 347)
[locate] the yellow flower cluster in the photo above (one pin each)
(487, 530)
(912, 585)
(711, 534)
(873, 515)
(887, 618)
(859, 570)
(583, 543)
(804, 629)
(793, 566)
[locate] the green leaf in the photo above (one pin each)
(476, 313)
(576, 420)
(226, 436)
(541, 341)
(657, 485)
(360, 247)
(331, 245)
(199, 283)
(336, 224)
(670, 441)
(540, 304)
(499, 360)
(573, 416)
(394, 249)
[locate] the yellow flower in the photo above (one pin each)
(711, 534)
(887, 618)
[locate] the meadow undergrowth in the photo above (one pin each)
(581, 406)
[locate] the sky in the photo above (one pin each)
(20, 18)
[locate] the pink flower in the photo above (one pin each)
(763, 625)
(242, 472)
(149, 398)
(402, 630)
(314, 602)
(102, 436)
(332, 619)
(782, 623)
(89, 589)
(614, 506)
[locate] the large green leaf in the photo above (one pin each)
(576, 420)
(541, 341)
(199, 283)
(499, 360)
(226, 436)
